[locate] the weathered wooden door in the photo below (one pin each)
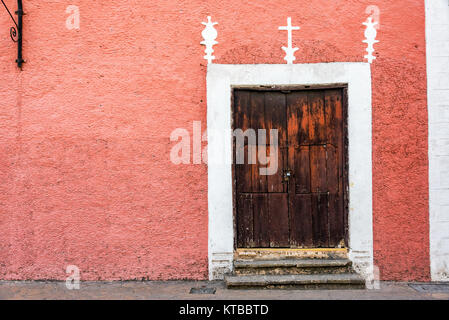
(302, 205)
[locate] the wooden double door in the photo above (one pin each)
(303, 204)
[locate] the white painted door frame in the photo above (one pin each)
(220, 79)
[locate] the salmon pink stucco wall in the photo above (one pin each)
(85, 171)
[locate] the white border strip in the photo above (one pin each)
(220, 78)
(437, 40)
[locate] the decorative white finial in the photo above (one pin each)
(290, 51)
(209, 34)
(370, 34)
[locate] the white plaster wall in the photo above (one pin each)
(437, 34)
(220, 78)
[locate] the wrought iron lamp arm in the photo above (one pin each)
(16, 31)
(10, 13)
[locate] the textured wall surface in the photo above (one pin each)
(85, 174)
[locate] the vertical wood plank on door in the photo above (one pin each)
(242, 120)
(336, 227)
(257, 106)
(332, 169)
(301, 220)
(336, 220)
(318, 176)
(261, 218)
(245, 228)
(279, 220)
(334, 117)
(275, 119)
(298, 138)
(301, 168)
(317, 125)
(335, 165)
(298, 118)
(300, 199)
(320, 224)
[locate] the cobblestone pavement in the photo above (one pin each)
(155, 290)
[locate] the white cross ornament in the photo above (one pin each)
(290, 51)
(370, 34)
(209, 34)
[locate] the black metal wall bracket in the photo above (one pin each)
(16, 31)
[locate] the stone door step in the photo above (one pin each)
(314, 281)
(298, 263)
